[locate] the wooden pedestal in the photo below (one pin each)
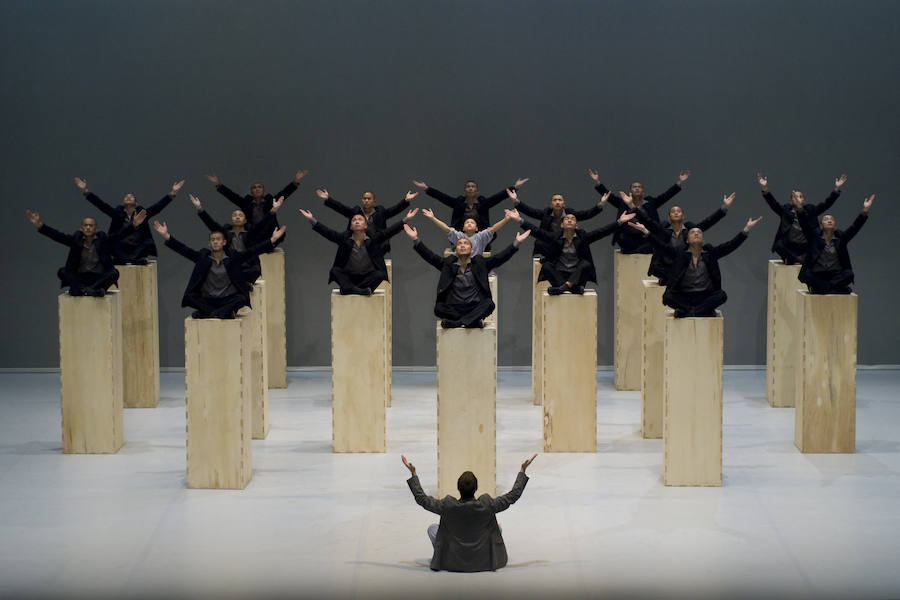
(217, 365)
(276, 351)
(259, 369)
(782, 333)
(825, 393)
(653, 334)
(358, 372)
(466, 407)
(90, 365)
(692, 405)
(387, 286)
(537, 330)
(495, 297)
(630, 270)
(569, 343)
(140, 334)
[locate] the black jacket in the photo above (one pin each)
(378, 220)
(105, 244)
(143, 244)
(786, 213)
(815, 244)
(203, 262)
(251, 236)
(458, 204)
(662, 262)
(479, 265)
(245, 203)
(582, 241)
(629, 240)
(344, 240)
(546, 221)
(709, 254)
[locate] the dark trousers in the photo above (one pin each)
(78, 283)
(134, 254)
(695, 304)
(467, 314)
(215, 308)
(829, 282)
(558, 276)
(791, 254)
(353, 283)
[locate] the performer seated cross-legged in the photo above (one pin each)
(135, 247)
(218, 286)
(790, 240)
(479, 239)
(463, 291)
(695, 281)
(826, 268)
(239, 236)
(552, 216)
(470, 205)
(674, 231)
(359, 262)
(258, 204)
(468, 538)
(376, 215)
(89, 269)
(569, 265)
(627, 239)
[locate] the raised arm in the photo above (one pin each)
(584, 215)
(430, 257)
(102, 206)
(436, 194)
(393, 211)
(504, 255)
(499, 224)
(53, 234)
(441, 225)
(767, 195)
(716, 216)
(293, 185)
(422, 499)
(158, 206)
(732, 244)
(503, 194)
(832, 197)
(601, 232)
(338, 207)
(163, 230)
(525, 209)
(501, 503)
(859, 221)
(223, 189)
(381, 236)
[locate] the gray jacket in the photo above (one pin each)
(468, 537)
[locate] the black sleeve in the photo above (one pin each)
(57, 236)
(430, 257)
(286, 191)
(851, 231)
(711, 219)
(100, 204)
(422, 499)
(189, 253)
(528, 211)
(393, 211)
(328, 233)
(497, 198)
(209, 221)
(773, 204)
(829, 201)
(583, 215)
(501, 503)
(597, 234)
(232, 197)
(729, 246)
(665, 196)
(441, 197)
(537, 232)
(339, 207)
(613, 198)
(158, 207)
(500, 257)
(391, 231)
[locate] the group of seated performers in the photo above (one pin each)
(688, 267)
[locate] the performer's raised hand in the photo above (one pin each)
(867, 203)
(162, 229)
(300, 175)
(420, 184)
(213, 180)
(751, 223)
(196, 202)
(34, 218)
(307, 215)
(604, 198)
(411, 232)
(276, 204)
(277, 233)
(639, 227)
(521, 237)
(839, 182)
(528, 462)
(410, 195)
(683, 176)
(410, 214)
(322, 193)
(81, 184)
(513, 195)
(626, 198)
(428, 213)
(763, 181)
(139, 218)
(595, 176)
(522, 181)
(175, 187)
(408, 465)
(513, 214)
(625, 217)
(727, 200)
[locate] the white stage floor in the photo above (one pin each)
(314, 524)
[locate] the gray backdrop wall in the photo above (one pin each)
(135, 95)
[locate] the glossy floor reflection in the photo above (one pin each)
(313, 524)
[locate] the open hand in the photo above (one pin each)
(528, 462)
(595, 177)
(175, 187)
(751, 223)
(82, 185)
(411, 232)
(420, 184)
(278, 233)
(306, 214)
(410, 195)
(867, 203)
(322, 193)
(408, 465)
(196, 202)
(213, 180)
(727, 200)
(34, 218)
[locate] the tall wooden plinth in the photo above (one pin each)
(140, 334)
(259, 368)
(630, 270)
(466, 407)
(495, 298)
(653, 334)
(358, 372)
(692, 404)
(569, 343)
(537, 330)
(217, 367)
(387, 286)
(825, 393)
(90, 365)
(276, 351)
(782, 333)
